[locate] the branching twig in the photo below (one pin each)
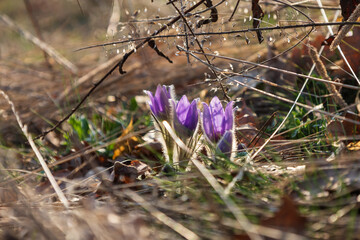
(315, 24)
(118, 65)
(213, 15)
(276, 69)
(153, 45)
(202, 50)
(233, 13)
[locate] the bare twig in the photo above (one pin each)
(42, 45)
(118, 65)
(213, 15)
(277, 69)
(233, 13)
(202, 50)
(114, 19)
(315, 24)
(90, 75)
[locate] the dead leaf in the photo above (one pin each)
(257, 14)
(328, 41)
(123, 173)
(213, 15)
(353, 146)
(347, 8)
(128, 145)
(287, 218)
(341, 128)
(245, 115)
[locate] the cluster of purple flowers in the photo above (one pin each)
(217, 123)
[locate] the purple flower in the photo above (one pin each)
(160, 104)
(186, 117)
(216, 121)
(226, 143)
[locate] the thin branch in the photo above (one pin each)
(315, 24)
(275, 69)
(202, 50)
(292, 47)
(233, 13)
(118, 65)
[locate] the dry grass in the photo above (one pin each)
(314, 169)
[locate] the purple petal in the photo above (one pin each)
(167, 91)
(192, 117)
(218, 115)
(152, 104)
(229, 116)
(225, 143)
(182, 109)
(208, 123)
(162, 100)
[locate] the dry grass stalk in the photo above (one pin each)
(345, 29)
(179, 228)
(47, 171)
(323, 73)
(41, 44)
(245, 224)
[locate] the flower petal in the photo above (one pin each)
(192, 117)
(208, 123)
(225, 143)
(229, 116)
(182, 109)
(167, 90)
(218, 115)
(152, 104)
(162, 102)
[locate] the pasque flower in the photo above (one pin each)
(162, 107)
(216, 121)
(218, 125)
(159, 103)
(186, 117)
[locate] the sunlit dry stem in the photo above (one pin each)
(345, 29)
(247, 226)
(275, 69)
(46, 169)
(177, 227)
(323, 73)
